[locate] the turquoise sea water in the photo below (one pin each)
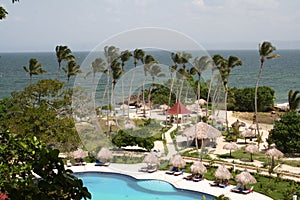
(119, 187)
(281, 74)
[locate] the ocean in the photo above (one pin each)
(281, 74)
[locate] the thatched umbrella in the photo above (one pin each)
(151, 159)
(222, 173)
(79, 153)
(164, 107)
(124, 107)
(198, 168)
(129, 124)
(104, 154)
(231, 147)
(178, 161)
(110, 123)
(202, 131)
(274, 153)
(251, 149)
(245, 177)
(247, 133)
(201, 102)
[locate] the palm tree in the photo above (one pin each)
(111, 54)
(154, 71)
(72, 69)
(183, 73)
(294, 100)
(148, 62)
(116, 74)
(138, 55)
(265, 52)
(125, 56)
(224, 66)
(35, 68)
(200, 65)
(213, 68)
(63, 53)
(98, 65)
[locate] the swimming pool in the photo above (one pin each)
(110, 186)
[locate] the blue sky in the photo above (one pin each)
(34, 25)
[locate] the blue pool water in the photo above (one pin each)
(110, 186)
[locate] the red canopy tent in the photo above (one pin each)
(178, 108)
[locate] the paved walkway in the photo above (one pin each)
(176, 181)
(170, 145)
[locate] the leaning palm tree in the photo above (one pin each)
(124, 57)
(154, 71)
(63, 53)
(34, 68)
(72, 69)
(224, 66)
(294, 100)
(138, 55)
(265, 51)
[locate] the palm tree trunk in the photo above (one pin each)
(131, 83)
(255, 99)
(30, 80)
(198, 94)
(208, 93)
(149, 97)
(170, 96)
(226, 117)
(58, 72)
(123, 98)
(143, 91)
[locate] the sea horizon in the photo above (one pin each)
(281, 74)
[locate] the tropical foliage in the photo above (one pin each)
(63, 53)
(29, 170)
(242, 99)
(72, 69)
(286, 133)
(294, 100)
(38, 111)
(225, 66)
(265, 51)
(123, 139)
(34, 68)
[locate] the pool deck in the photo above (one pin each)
(177, 181)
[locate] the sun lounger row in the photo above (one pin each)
(99, 163)
(174, 171)
(149, 169)
(194, 177)
(222, 184)
(240, 189)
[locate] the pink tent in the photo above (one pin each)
(178, 108)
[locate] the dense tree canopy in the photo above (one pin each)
(242, 99)
(40, 111)
(286, 133)
(123, 139)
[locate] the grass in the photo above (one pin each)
(275, 188)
